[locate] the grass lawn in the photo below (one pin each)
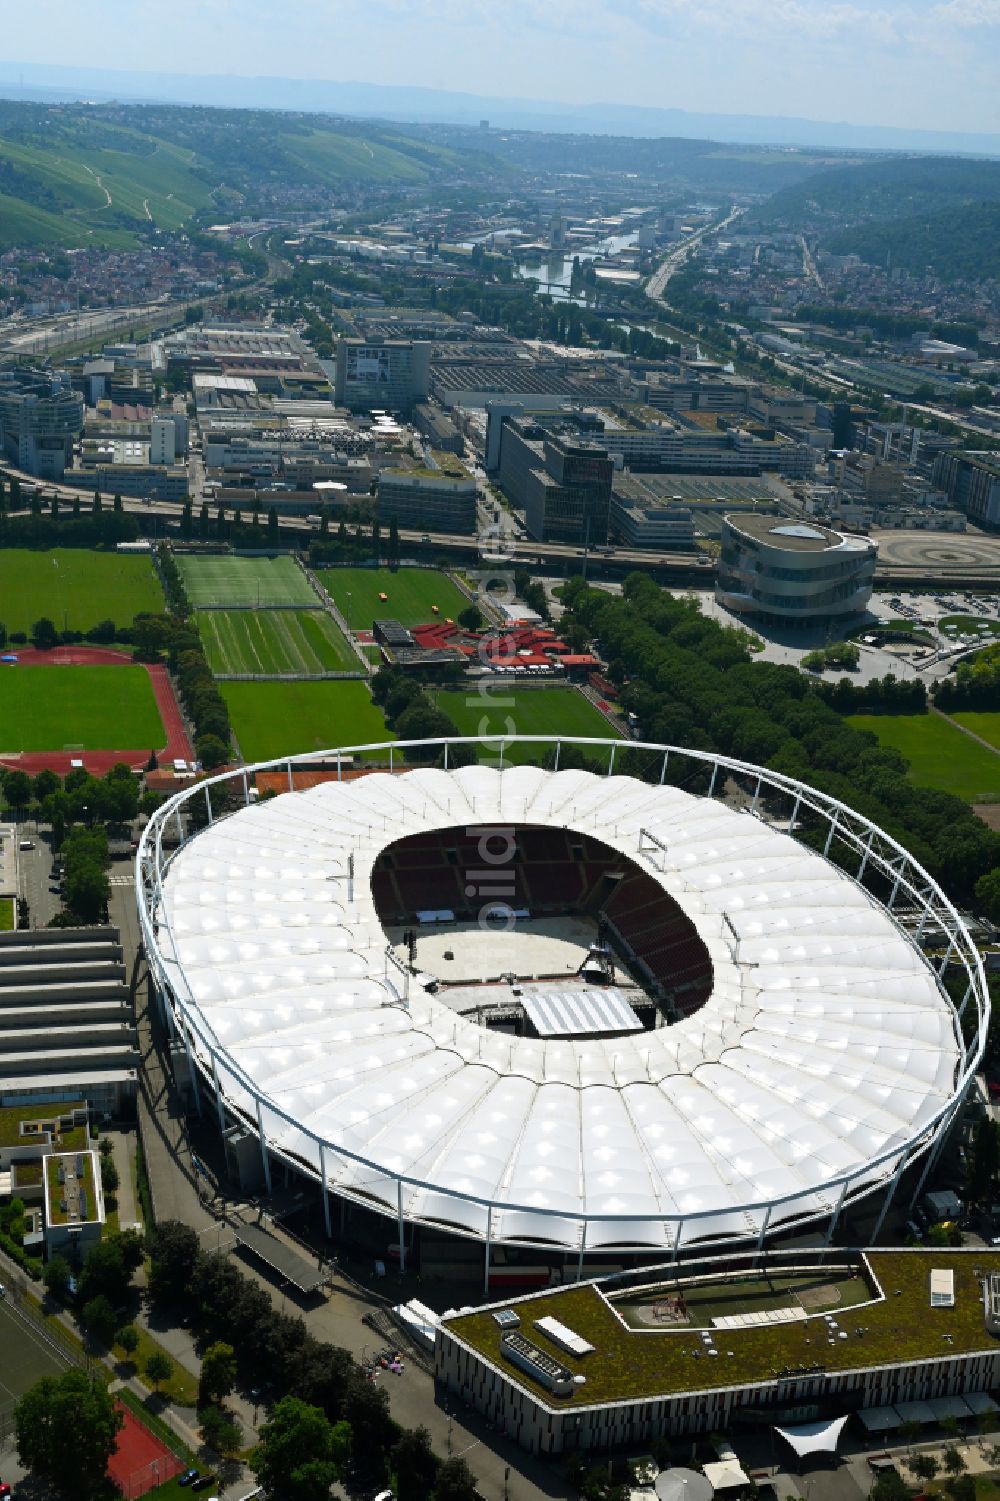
(284, 719)
(526, 711)
(218, 579)
(76, 586)
(270, 641)
(985, 725)
(411, 592)
(6, 914)
(182, 1386)
(940, 755)
(970, 625)
(78, 708)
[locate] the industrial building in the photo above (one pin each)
(40, 417)
(795, 573)
(67, 1024)
(381, 374)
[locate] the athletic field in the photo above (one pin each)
(27, 1356)
(78, 708)
(75, 588)
(410, 594)
(940, 755)
(985, 725)
(284, 719)
(288, 642)
(220, 580)
(505, 709)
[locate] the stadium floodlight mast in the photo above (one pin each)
(830, 1057)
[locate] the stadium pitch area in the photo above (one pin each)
(78, 708)
(219, 579)
(286, 642)
(411, 595)
(285, 719)
(75, 587)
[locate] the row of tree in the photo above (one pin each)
(975, 685)
(158, 638)
(690, 681)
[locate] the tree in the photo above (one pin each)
(87, 890)
(187, 521)
(116, 505)
(455, 1482)
(393, 545)
(44, 634)
(925, 1466)
(218, 1373)
(414, 1464)
(471, 617)
(57, 1276)
(220, 1429)
(46, 783)
(174, 1252)
(985, 1161)
(17, 790)
(987, 891)
(109, 1173)
(109, 1267)
(204, 521)
(99, 1319)
(98, 504)
(158, 1368)
(127, 1339)
(66, 1428)
(954, 1461)
(272, 524)
(211, 751)
(300, 1452)
(889, 1486)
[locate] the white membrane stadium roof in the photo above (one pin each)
(825, 1043)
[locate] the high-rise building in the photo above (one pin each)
(563, 483)
(162, 441)
(382, 374)
(40, 416)
(971, 482)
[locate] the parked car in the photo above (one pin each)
(187, 1477)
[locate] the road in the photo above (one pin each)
(678, 254)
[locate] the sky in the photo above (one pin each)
(913, 63)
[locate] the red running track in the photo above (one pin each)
(177, 747)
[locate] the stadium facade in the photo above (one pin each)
(801, 1052)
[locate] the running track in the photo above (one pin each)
(178, 746)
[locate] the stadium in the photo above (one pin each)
(596, 1015)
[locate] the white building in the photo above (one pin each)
(793, 573)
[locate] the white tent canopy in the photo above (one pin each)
(826, 1041)
(726, 1475)
(814, 1438)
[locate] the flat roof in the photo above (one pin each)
(789, 535)
(628, 1363)
(282, 1258)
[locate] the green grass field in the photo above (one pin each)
(970, 625)
(85, 708)
(274, 641)
(411, 592)
(940, 755)
(72, 585)
(528, 711)
(987, 726)
(6, 914)
(28, 1357)
(284, 719)
(221, 580)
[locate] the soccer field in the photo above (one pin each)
(410, 594)
(78, 708)
(274, 641)
(940, 755)
(505, 709)
(74, 587)
(285, 719)
(220, 580)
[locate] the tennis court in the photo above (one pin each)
(218, 580)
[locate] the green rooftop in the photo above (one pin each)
(36, 1119)
(632, 1362)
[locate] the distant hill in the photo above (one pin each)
(77, 175)
(890, 188)
(940, 214)
(958, 244)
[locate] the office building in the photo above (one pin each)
(971, 482)
(796, 573)
(562, 483)
(40, 416)
(162, 441)
(381, 374)
(442, 499)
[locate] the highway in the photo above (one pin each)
(678, 254)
